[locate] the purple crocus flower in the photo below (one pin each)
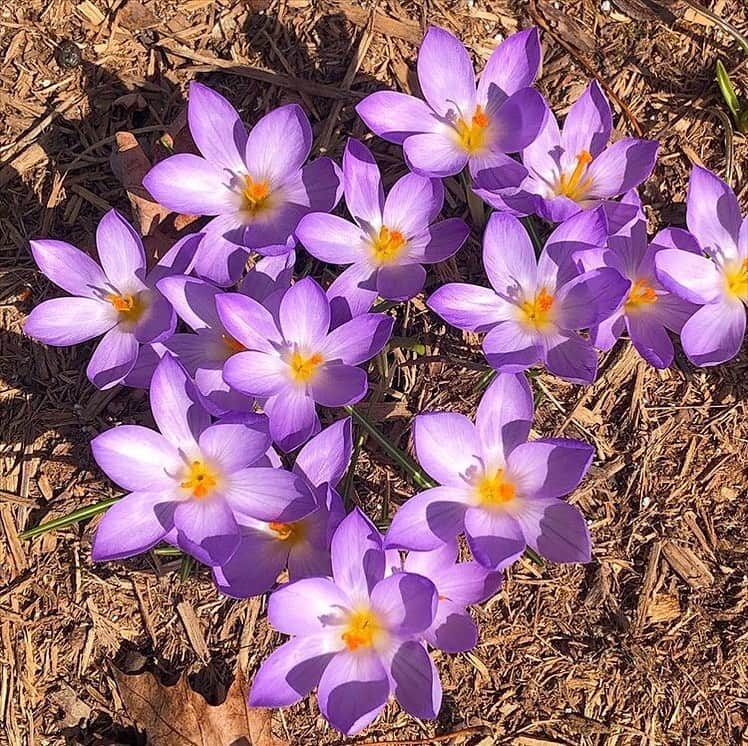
(391, 238)
(189, 480)
(574, 168)
(293, 361)
(303, 546)
(116, 298)
(204, 353)
(709, 267)
(501, 490)
(458, 584)
(354, 636)
(256, 185)
(535, 308)
(460, 125)
(649, 310)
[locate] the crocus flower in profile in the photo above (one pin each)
(390, 239)
(190, 480)
(574, 168)
(535, 308)
(355, 636)
(649, 310)
(204, 353)
(460, 125)
(502, 491)
(303, 546)
(458, 584)
(116, 298)
(708, 266)
(256, 185)
(294, 361)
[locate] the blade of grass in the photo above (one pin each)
(728, 90)
(474, 202)
(721, 22)
(68, 520)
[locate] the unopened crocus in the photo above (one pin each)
(649, 310)
(458, 585)
(460, 124)
(204, 353)
(390, 239)
(114, 298)
(501, 490)
(535, 307)
(355, 636)
(254, 184)
(574, 168)
(303, 546)
(295, 361)
(189, 481)
(708, 266)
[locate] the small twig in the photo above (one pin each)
(472, 730)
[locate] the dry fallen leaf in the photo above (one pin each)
(179, 716)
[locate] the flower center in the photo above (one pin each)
(641, 294)
(736, 279)
(304, 367)
(255, 195)
(387, 246)
(362, 629)
(495, 491)
(233, 344)
(200, 480)
(536, 313)
(472, 134)
(578, 184)
(130, 306)
(293, 533)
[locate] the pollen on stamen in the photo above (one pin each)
(304, 367)
(361, 631)
(129, 306)
(233, 344)
(536, 312)
(495, 491)
(577, 185)
(736, 280)
(255, 194)
(472, 134)
(642, 294)
(200, 480)
(388, 245)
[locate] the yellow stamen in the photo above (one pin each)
(304, 367)
(536, 313)
(362, 630)
(255, 195)
(130, 307)
(388, 245)
(494, 491)
(641, 294)
(233, 345)
(577, 185)
(472, 135)
(293, 533)
(200, 480)
(736, 279)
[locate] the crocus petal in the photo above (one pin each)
(543, 155)
(588, 123)
(417, 685)
(268, 494)
(468, 583)
(494, 537)
(509, 256)
(622, 166)
(322, 600)
(269, 275)
(190, 184)
(357, 556)
(136, 458)
(305, 313)
(428, 519)
(256, 373)
(207, 530)
(158, 322)
(511, 348)
(405, 602)
(676, 238)
(434, 154)
(219, 258)
(293, 417)
(279, 143)
(400, 282)
(412, 203)
(518, 120)
(454, 630)
(352, 293)
(233, 445)
(590, 298)
(339, 385)
(120, 251)
(650, 339)
(248, 321)
(69, 268)
(714, 333)
(325, 458)
(555, 530)
(713, 213)
(607, 332)
(693, 277)
(359, 339)
(439, 241)
(216, 128)
(353, 690)
(178, 260)
(504, 417)
(570, 357)
(331, 238)
(672, 312)
(291, 671)
(68, 321)
(113, 358)
(132, 526)
(447, 446)
(549, 467)
(394, 116)
(174, 404)
(194, 300)
(362, 184)
(514, 64)
(469, 307)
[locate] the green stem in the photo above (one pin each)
(167, 552)
(69, 519)
(536, 242)
(474, 202)
(185, 567)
